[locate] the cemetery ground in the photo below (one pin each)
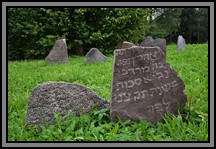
(191, 66)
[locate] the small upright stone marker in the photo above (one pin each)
(181, 43)
(144, 86)
(94, 55)
(64, 98)
(59, 53)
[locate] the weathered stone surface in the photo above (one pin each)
(150, 42)
(160, 42)
(144, 86)
(59, 53)
(63, 98)
(181, 43)
(147, 42)
(94, 55)
(124, 44)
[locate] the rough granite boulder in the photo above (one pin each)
(62, 98)
(58, 53)
(94, 55)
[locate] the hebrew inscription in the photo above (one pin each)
(144, 86)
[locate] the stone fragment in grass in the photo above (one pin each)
(66, 99)
(94, 55)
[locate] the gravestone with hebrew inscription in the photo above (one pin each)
(58, 53)
(66, 99)
(144, 86)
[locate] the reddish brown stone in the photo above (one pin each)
(144, 86)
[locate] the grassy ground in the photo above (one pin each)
(191, 65)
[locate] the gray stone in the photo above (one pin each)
(160, 42)
(147, 42)
(144, 86)
(181, 43)
(94, 55)
(58, 53)
(150, 42)
(66, 99)
(124, 44)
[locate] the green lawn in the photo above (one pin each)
(191, 66)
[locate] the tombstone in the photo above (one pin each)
(94, 55)
(124, 44)
(59, 53)
(147, 42)
(150, 42)
(144, 86)
(160, 42)
(181, 43)
(63, 98)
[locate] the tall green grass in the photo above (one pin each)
(191, 66)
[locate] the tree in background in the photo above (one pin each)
(165, 22)
(32, 31)
(194, 25)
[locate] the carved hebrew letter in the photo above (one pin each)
(159, 91)
(146, 79)
(167, 104)
(144, 93)
(132, 70)
(153, 90)
(166, 87)
(119, 63)
(138, 69)
(140, 56)
(159, 75)
(119, 84)
(150, 109)
(124, 72)
(145, 56)
(174, 84)
(136, 95)
(153, 57)
(158, 107)
(126, 97)
(132, 83)
(138, 81)
(117, 99)
(145, 69)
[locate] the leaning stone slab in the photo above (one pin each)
(58, 53)
(144, 86)
(94, 55)
(63, 98)
(181, 43)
